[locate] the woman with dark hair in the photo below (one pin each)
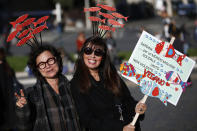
(48, 105)
(102, 99)
(8, 85)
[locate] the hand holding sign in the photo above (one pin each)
(154, 66)
(129, 127)
(140, 108)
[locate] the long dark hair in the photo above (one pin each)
(109, 73)
(5, 64)
(35, 52)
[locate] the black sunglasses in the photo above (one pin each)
(97, 52)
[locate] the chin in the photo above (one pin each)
(51, 76)
(92, 68)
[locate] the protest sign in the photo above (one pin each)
(159, 68)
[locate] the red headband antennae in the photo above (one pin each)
(25, 30)
(103, 22)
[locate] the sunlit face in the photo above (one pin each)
(93, 57)
(47, 65)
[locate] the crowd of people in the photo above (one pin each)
(183, 37)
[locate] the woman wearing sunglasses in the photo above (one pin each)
(102, 99)
(48, 105)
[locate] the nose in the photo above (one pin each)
(93, 55)
(47, 65)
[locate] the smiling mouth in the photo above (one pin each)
(91, 61)
(50, 71)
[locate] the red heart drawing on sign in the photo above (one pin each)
(155, 91)
(167, 84)
(176, 89)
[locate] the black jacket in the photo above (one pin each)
(98, 108)
(7, 99)
(33, 116)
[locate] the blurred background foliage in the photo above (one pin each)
(18, 63)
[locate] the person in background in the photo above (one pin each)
(166, 33)
(158, 35)
(173, 29)
(8, 85)
(80, 40)
(140, 30)
(166, 22)
(111, 45)
(195, 31)
(68, 64)
(185, 38)
(28, 70)
(102, 99)
(48, 105)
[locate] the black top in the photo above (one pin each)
(100, 110)
(7, 99)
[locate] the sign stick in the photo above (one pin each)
(146, 96)
(172, 40)
(137, 114)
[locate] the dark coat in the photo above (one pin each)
(97, 109)
(7, 99)
(33, 116)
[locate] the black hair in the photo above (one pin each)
(35, 52)
(106, 68)
(5, 64)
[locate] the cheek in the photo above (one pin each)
(99, 59)
(41, 71)
(85, 58)
(57, 67)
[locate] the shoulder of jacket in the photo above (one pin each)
(74, 80)
(30, 89)
(74, 84)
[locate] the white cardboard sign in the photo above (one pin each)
(144, 57)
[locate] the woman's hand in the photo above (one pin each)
(140, 108)
(21, 100)
(129, 127)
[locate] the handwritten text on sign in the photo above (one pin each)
(144, 57)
